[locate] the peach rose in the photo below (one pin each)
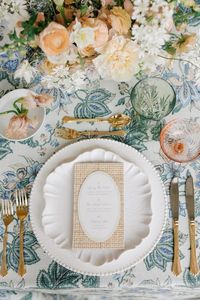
(120, 20)
(100, 35)
(101, 32)
(18, 127)
(54, 39)
(87, 51)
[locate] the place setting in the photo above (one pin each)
(94, 204)
(99, 149)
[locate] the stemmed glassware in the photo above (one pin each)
(180, 140)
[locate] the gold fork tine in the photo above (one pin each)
(25, 198)
(6, 208)
(20, 197)
(11, 208)
(3, 207)
(16, 198)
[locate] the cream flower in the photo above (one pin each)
(82, 36)
(119, 60)
(120, 20)
(25, 71)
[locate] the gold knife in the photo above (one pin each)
(189, 191)
(174, 199)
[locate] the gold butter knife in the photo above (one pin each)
(174, 199)
(190, 204)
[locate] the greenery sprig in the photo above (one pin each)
(17, 110)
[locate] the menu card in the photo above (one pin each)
(98, 215)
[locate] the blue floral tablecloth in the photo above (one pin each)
(21, 161)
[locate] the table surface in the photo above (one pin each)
(21, 161)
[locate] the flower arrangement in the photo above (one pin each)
(112, 39)
(20, 122)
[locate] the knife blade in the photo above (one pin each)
(190, 204)
(174, 198)
(189, 192)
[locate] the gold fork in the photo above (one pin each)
(22, 212)
(68, 133)
(7, 215)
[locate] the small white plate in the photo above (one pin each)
(129, 258)
(6, 103)
(58, 212)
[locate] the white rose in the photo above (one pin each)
(82, 36)
(119, 60)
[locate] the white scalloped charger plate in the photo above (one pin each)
(58, 211)
(129, 258)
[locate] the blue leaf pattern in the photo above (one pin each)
(163, 252)
(59, 277)
(93, 104)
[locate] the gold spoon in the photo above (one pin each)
(68, 133)
(117, 120)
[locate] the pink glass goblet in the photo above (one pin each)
(180, 140)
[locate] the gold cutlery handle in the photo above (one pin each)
(194, 268)
(4, 270)
(21, 268)
(118, 133)
(67, 119)
(176, 265)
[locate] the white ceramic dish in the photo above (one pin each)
(58, 212)
(6, 104)
(127, 259)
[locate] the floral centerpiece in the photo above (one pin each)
(110, 39)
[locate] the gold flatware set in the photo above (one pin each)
(117, 121)
(8, 216)
(190, 204)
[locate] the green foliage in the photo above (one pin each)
(120, 3)
(184, 14)
(30, 30)
(169, 48)
(84, 8)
